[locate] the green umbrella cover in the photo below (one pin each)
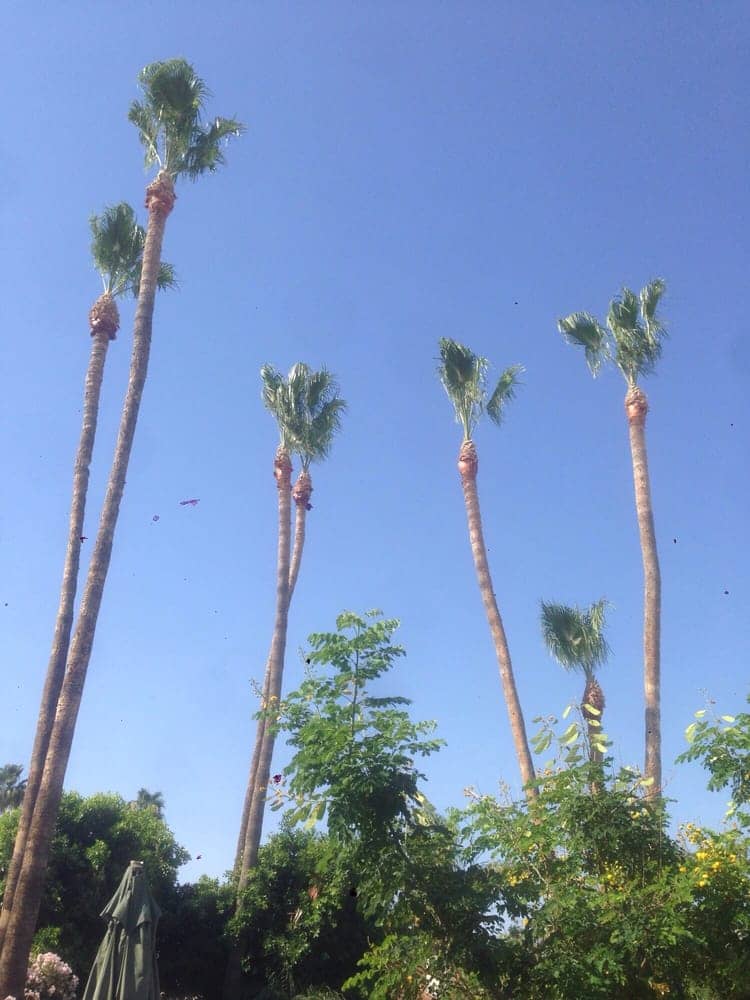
(125, 965)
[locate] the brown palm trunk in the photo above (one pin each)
(104, 322)
(301, 494)
(593, 696)
(23, 917)
(636, 408)
(260, 768)
(468, 464)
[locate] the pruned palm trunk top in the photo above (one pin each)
(104, 321)
(636, 408)
(468, 465)
(301, 495)
(23, 917)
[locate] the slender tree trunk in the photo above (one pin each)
(468, 465)
(636, 408)
(260, 768)
(104, 323)
(23, 917)
(301, 494)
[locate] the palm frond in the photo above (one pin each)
(584, 330)
(463, 375)
(169, 120)
(505, 391)
(116, 246)
(637, 342)
(315, 441)
(575, 636)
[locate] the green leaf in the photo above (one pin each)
(728, 718)
(700, 713)
(566, 713)
(690, 732)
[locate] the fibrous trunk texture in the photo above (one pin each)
(301, 495)
(23, 917)
(593, 696)
(468, 465)
(636, 408)
(104, 323)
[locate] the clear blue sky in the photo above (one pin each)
(410, 171)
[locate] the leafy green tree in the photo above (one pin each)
(169, 121)
(117, 243)
(12, 787)
(634, 344)
(309, 410)
(95, 839)
(300, 927)
(575, 638)
(722, 745)
(464, 378)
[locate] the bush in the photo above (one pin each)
(49, 978)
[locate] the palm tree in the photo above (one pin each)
(311, 410)
(117, 250)
(170, 126)
(575, 638)
(308, 410)
(464, 377)
(151, 801)
(636, 342)
(12, 788)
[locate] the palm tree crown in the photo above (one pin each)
(464, 378)
(169, 120)
(317, 411)
(575, 636)
(635, 333)
(117, 243)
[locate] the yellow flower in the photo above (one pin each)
(716, 864)
(683, 868)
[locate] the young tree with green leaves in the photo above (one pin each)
(634, 343)
(575, 638)
(311, 410)
(170, 126)
(464, 378)
(12, 786)
(117, 243)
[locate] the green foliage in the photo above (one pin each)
(306, 406)
(117, 242)
(300, 929)
(722, 745)
(464, 378)
(354, 760)
(95, 839)
(192, 941)
(169, 121)
(635, 333)
(575, 636)
(11, 786)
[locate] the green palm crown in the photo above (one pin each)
(464, 378)
(575, 636)
(307, 408)
(170, 125)
(632, 337)
(117, 243)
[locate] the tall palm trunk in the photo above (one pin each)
(468, 465)
(301, 494)
(260, 768)
(104, 322)
(636, 408)
(275, 669)
(23, 917)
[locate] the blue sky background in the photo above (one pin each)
(410, 171)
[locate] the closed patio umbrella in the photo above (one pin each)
(125, 964)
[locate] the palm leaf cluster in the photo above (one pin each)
(117, 242)
(464, 377)
(632, 337)
(575, 636)
(170, 125)
(307, 408)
